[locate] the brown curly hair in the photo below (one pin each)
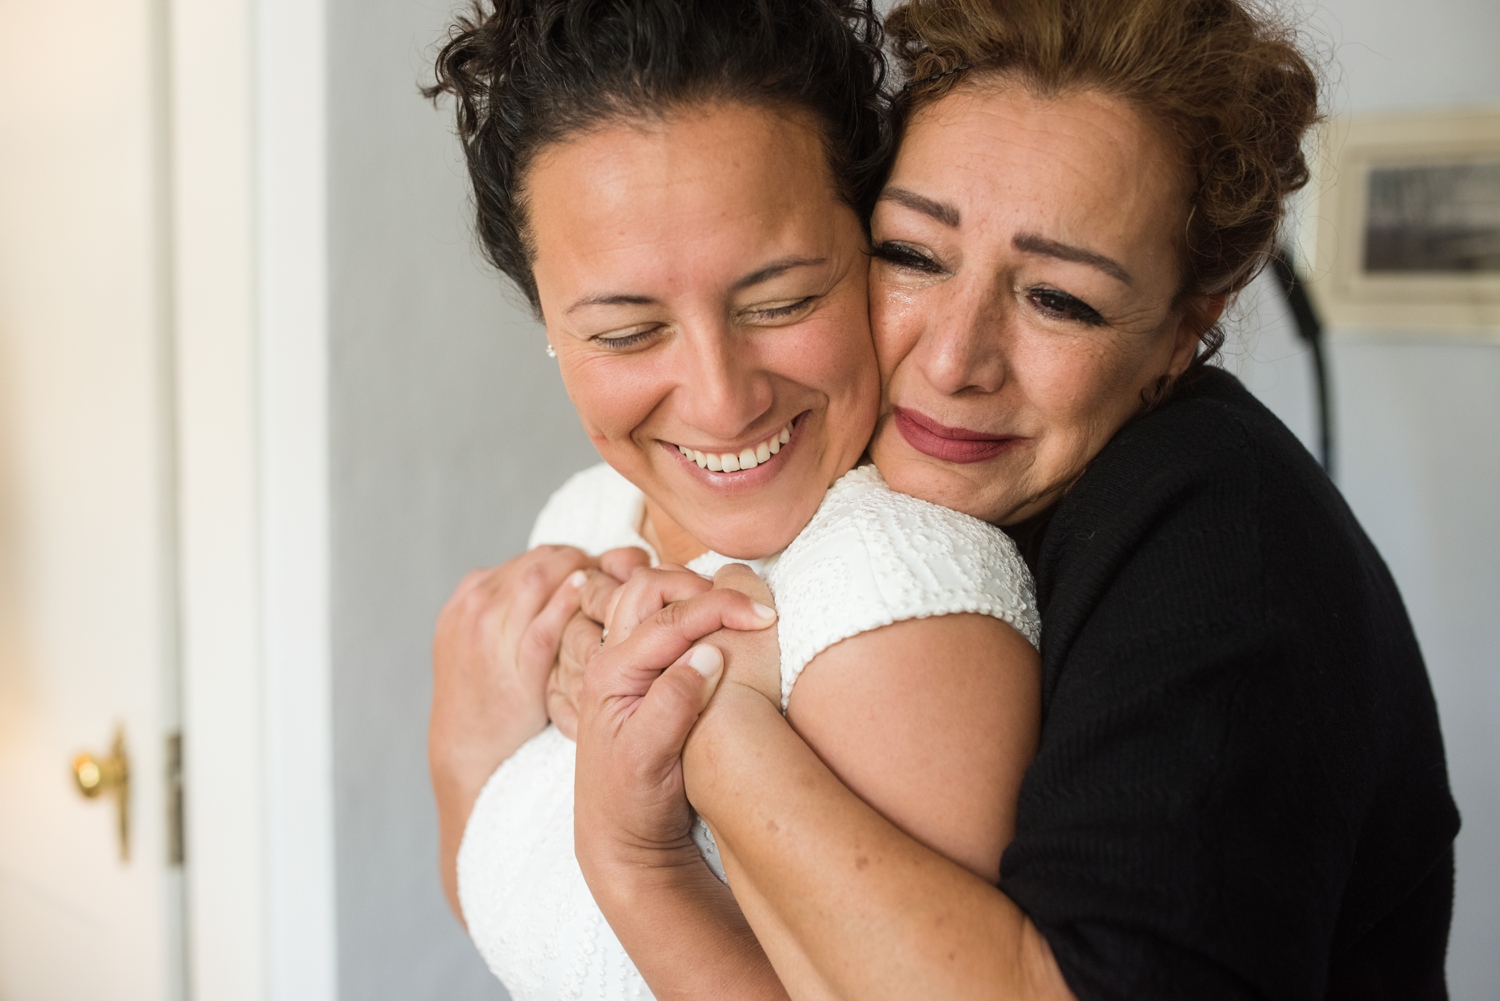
(1228, 82)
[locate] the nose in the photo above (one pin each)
(962, 346)
(723, 390)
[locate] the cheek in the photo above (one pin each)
(835, 357)
(1077, 389)
(613, 396)
(895, 319)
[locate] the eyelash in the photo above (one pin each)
(1048, 300)
(627, 341)
(906, 257)
(774, 313)
(779, 312)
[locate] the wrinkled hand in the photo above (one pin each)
(641, 695)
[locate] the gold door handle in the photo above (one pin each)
(100, 776)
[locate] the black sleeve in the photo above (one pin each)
(1190, 824)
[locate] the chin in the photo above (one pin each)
(751, 540)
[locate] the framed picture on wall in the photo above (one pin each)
(1409, 225)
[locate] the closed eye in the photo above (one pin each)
(905, 256)
(1064, 306)
(780, 311)
(626, 339)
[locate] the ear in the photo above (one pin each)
(1199, 314)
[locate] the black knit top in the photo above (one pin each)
(1241, 789)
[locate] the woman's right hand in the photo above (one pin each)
(493, 650)
(499, 640)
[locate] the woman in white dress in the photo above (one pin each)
(678, 186)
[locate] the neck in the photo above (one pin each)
(672, 542)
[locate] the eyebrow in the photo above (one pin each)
(611, 300)
(1030, 243)
(765, 274)
(941, 211)
(776, 269)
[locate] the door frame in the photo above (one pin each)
(247, 172)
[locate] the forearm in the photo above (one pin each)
(685, 932)
(872, 911)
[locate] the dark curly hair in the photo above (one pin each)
(529, 73)
(1225, 80)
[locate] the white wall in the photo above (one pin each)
(1417, 420)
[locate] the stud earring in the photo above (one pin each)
(551, 353)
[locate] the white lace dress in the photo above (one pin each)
(869, 557)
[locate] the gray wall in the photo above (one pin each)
(449, 429)
(1418, 425)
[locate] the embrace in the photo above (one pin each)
(941, 623)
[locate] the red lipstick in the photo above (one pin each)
(949, 444)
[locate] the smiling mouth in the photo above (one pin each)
(949, 444)
(745, 458)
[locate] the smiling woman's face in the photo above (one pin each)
(705, 290)
(1024, 294)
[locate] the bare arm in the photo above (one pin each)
(930, 722)
(870, 910)
(632, 831)
(813, 912)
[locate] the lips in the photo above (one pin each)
(949, 444)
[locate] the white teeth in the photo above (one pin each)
(730, 462)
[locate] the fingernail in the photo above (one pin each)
(763, 611)
(706, 660)
(576, 578)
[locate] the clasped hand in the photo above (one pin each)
(516, 644)
(642, 695)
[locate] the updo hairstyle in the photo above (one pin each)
(1223, 80)
(530, 73)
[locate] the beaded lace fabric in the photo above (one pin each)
(869, 557)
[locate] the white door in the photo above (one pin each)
(87, 623)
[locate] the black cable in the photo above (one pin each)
(1310, 329)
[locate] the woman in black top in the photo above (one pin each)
(1240, 790)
